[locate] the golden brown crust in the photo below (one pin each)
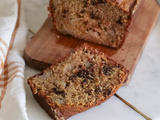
(43, 103)
(65, 111)
(126, 5)
(68, 111)
(130, 6)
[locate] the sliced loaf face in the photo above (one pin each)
(100, 21)
(85, 79)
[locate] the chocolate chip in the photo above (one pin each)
(64, 16)
(82, 73)
(84, 81)
(85, 22)
(85, 3)
(119, 21)
(89, 29)
(105, 28)
(72, 78)
(95, 2)
(82, 11)
(41, 73)
(60, 98)
(89, 91)
(107, 70)
(67, 84)
(86, 51)
(85, 74)
(99, 33)
(98, 90)
(90, 76)
(107, 92)
(65, 11)
(80, 66)
(59, 92)
(93, 15)
(99, 25)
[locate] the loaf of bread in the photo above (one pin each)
(101, 21)
(86, 78)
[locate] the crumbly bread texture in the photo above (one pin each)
(85, 79)
(100, 21)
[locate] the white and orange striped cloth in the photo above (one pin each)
(13, 32)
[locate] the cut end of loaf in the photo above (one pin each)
(85, 79)
(96, 21)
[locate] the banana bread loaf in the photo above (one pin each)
(100, 21)
(85, 79)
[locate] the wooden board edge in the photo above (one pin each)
(40, 65)
(35, 64)
(140, 53)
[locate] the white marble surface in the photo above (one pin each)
(143, 91)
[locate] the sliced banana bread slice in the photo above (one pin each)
(86, 78)
(100, 21)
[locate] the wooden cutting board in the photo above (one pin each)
(46, 47)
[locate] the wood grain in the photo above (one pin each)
(47, 48)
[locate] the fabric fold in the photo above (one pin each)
(13, 32)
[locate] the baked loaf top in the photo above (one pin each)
(126, 5)
(83, 80)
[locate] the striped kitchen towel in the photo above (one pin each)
(13, 32)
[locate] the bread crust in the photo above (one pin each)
(128, 6)
(65, 111)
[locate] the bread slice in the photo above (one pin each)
(86, 78)
(101, 21)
